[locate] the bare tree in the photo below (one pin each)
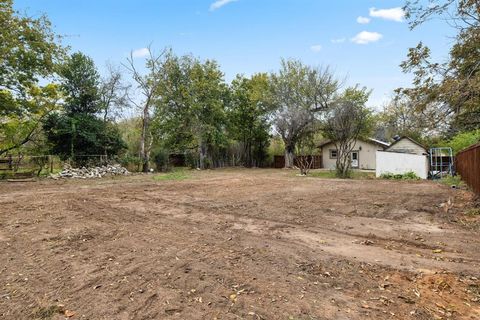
(113, 94)
(299, 93)
(147, 86)
(345, 124)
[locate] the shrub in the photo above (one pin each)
(191, 160)
(161, 159)
(131, 162)
(410, 175)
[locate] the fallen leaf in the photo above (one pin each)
(69, 313)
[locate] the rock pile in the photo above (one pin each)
(92, 172)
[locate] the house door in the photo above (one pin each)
(354, 156)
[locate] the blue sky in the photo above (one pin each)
(364, 41)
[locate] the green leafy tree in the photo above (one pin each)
(78, 136)
(451, 87)
(77, 131)
(190, 113)
(80, 81)
(23, 130)
(248, 114)
(462, 140)
(29, 51)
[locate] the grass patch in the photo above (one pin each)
(473, 212)
(176, 174)
(27, 173)
(331, 174)
(48, 312)
(452, 181)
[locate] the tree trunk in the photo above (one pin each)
(144, 154)
(202, 156)
(249, 154)
(343, 163)
(289, 155)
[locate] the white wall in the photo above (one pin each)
(400, 163)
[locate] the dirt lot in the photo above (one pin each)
(237, 244)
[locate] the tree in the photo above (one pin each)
(347, 121)
(306, 150)
(19, 130)
(464, 13)
(462, 140)
(81, 135)
(402, 117)
(147, 86)
(190, 113)
(299, 92)
(249, 112)
(209, 93)
(452, 87)
(76, 131)
(80, 81)
(29, 51)
(113, 94)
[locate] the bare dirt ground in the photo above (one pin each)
(237, 244)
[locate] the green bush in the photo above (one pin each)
(161, 159)
(131, 162)
(191, 160)
(462, 140)
(80, 135)
(410, 175)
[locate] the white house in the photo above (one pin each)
(362, 155)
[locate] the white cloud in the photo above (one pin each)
(363, 20)
(339, 40)
(366, 37)
(316, 48)
(394, 14)
(140, 53)
(220, 3)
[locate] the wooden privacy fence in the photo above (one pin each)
(279, 161)
(468, 166)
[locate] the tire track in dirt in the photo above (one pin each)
(179, 250)
(332, 240)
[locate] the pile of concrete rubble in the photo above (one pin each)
(91, 172)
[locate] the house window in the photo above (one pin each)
(333, 154)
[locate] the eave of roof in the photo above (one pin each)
(368, 140)
(408, 138)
